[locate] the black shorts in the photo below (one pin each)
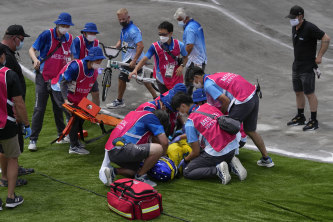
(124, 76)
(304, 82)
(129, 156)
(247, 113)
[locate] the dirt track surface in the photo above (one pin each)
(251, 38)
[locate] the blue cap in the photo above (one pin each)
(199, 95)
(179, 87)
(90, 27)
(166, 100)
(64, 19)
(95, 53)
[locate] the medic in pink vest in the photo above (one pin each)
(234, 95)
(82, 43)
(167, 67)
(219, 146)
(130, 144)
(54, 53)
(76, 80)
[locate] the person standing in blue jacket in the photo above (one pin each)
(130, 36)
(194, 41)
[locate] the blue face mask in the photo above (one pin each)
(20, 46)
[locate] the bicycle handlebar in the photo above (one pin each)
(115, 52)
(117, 65)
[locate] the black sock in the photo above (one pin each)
(300, 112)
(120, 100)
(313, 115)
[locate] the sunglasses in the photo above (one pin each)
(21, 39)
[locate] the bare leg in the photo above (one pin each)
(12, 171)
(300, 100)
(4, 164)
(155, 153)
(150, 89)
(313, 102)
(258, 141)
(121, 89)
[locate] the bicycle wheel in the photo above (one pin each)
(106, 83)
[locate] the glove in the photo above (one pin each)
(27, 131)
(182, 164)
(175, 140)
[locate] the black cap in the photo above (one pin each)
(295, 11)
(16, 30)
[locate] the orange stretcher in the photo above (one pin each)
(87, 110)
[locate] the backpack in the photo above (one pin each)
(134, 199)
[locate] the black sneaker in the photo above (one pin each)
(311, 125)
(25, 171)
(11, 203)
(297, 120)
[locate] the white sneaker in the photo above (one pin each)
(107, 175)
(64, 140)
(82, 145)
(78, 150)
(115, 104)
(223, 172)
(32, 145)
(144, 178)
(237, 168)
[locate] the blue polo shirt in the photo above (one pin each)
(43, 44)
(193, 135)
(72, 72)
(148, 122)
(76, 48)
(130, 35)
(214, 90)
(193, 34)
(152, 52)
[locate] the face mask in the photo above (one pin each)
(20, 46)
(181, 24)
(123, 24)
(197, 85)
(294, 22)
(164, 39)
(96, 66)
(91, 38)
(63, 30)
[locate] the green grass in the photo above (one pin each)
(294, 190)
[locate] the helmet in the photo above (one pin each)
(164, 170)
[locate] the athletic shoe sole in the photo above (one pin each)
(296, 124)
(259, 163)
(12, 205)
(115, 107)
(238, 169)
(107, 172)
(224, 170)
(75, 152)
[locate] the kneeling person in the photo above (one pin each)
(129, 144)
(218, 146)
(76, 80)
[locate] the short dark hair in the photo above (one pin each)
(195, 71)
(164, 119)
(180, 98)
(2, 49)
(166, 25)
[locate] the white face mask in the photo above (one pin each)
(96, 66)
(91, 38)
(63, 30)
(294, 22)
(164, 39)
(197, 85)
(181, 23)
